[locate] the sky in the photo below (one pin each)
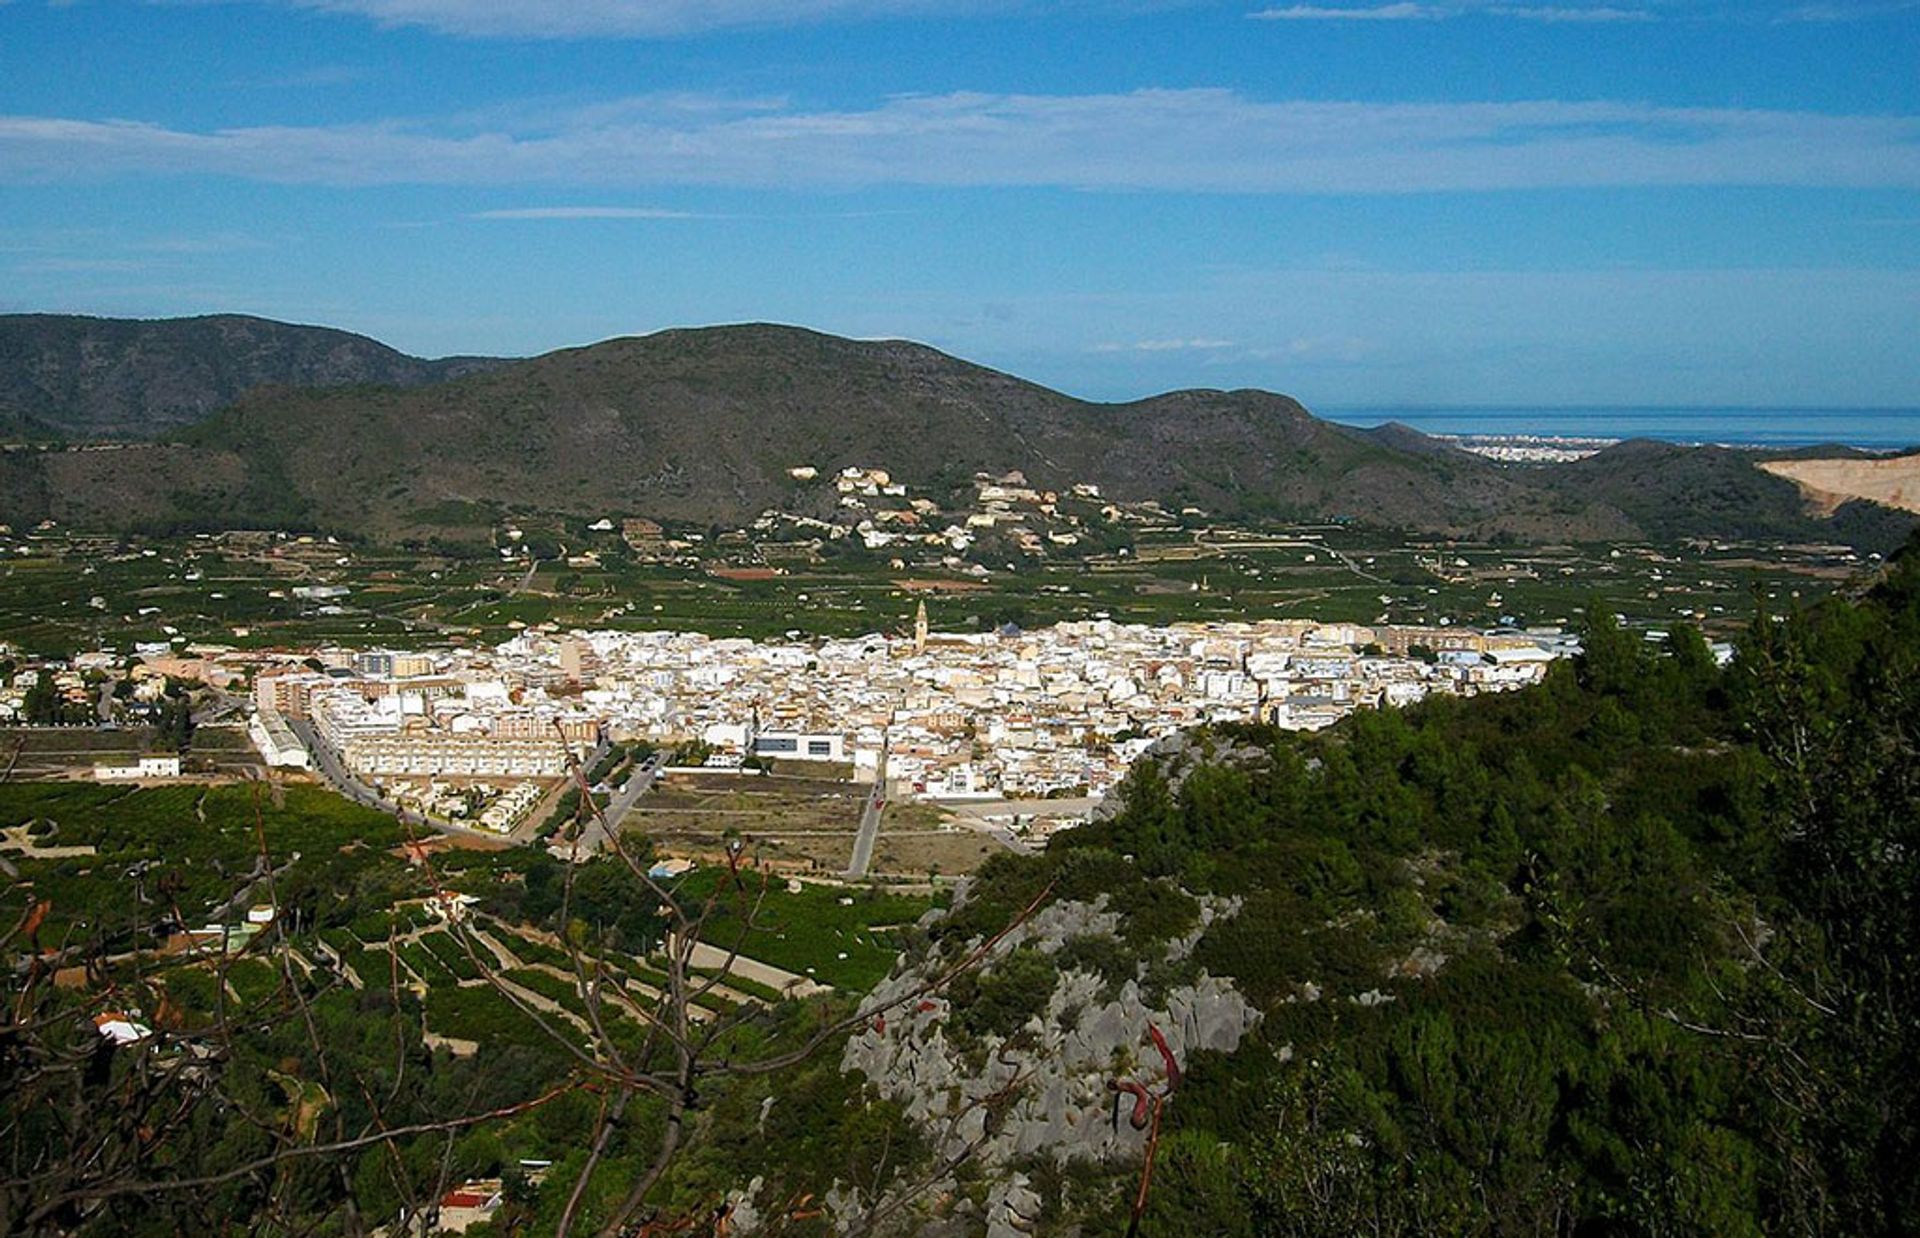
(1357, 202)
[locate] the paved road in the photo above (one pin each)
(710, 957)
(223, 703)
(527, 830)
(526, 582)
(869, 834)
(326, 763)
(594, 837)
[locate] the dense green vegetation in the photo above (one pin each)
(188, 848)
(1628, 953)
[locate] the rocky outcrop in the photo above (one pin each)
(1043, 1091)
(1178, 755)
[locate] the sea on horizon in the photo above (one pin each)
(1872, 429)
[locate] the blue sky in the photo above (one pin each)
(1354, 201)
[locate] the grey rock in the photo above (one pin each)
(1012, 1207)
(1052, 1096)
(745, 1216)
(1213, 909)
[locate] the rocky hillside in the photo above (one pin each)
(1018, 1065)
(79, 378)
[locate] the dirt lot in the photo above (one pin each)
(807, 820)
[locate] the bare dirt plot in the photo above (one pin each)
(1894, 482)
(792, 819)
(919, 852)
(809, 821)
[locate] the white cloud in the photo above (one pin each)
(579, 19)
(1757, 336)
(86, 266)
(585, 212)
(1194, 345)
(1330, 348)
(1201, 344)
(1428, 12)
(1548, 13)
(1185, 140)
(1320, 12)
(1834, 14)
(313, 76)
(630, 18)
(219, 243)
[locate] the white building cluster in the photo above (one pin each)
(1059, 710)
(469, 720)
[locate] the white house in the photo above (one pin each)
(147, 766)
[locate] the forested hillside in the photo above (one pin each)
(1627, 953)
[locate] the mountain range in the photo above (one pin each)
(243, 422)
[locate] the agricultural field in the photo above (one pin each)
(71, 593)
(181, 856)
(126, 870)
(845, 936)
(69, 752)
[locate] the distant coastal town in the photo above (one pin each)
(1529, 448)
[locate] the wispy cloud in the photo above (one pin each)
(651, 212)
(219, 243)
(586, 212)
(1601, 15)
(1331, 348)
(1558, 14)
(572, 19)
(87, 266)
(1201, 344)
(1834, 14)
(320, 75)
(1321, 12)
(1176, 140)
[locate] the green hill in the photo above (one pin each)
(72, 377)
(1673, 491)
(702, 426)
